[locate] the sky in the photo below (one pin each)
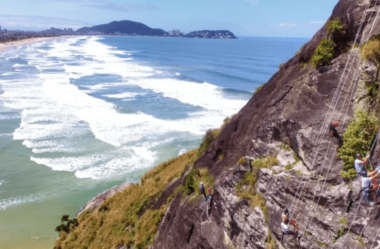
(281, 18)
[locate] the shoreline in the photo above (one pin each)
(12, 44)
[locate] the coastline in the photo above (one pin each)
(11, 44)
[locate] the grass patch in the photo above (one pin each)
(285, 147)
(340, 234)
(127, 218)
(289, 167)
(343, 220)
(321, 244)
(271, 243)
(357, 139)
(360, 240)
(265, 162)
(194, 179)
(221, 156)
(323, 54)
(246, 189)
(259, 88)
(281, 66)
(241, 160)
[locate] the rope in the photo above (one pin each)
(335, 99)
(334, 103)
(344, 121)
(366, 219)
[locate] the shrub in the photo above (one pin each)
(221, 156)
(281, 66)
(66, 224)
(343, 220)
(259, 88)
(241, 160)
(288, 167)
(373, 89)
(357, 139)
(335, 28)
(189, 181)
(265, 162)
(207, 140)
(323, 54)
(371, 51)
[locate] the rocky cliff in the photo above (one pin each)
(277, 153)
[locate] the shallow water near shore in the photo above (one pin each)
(80, 115)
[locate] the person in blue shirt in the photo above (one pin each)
(202, 189)
(360, 164)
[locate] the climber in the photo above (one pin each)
(334, 132)
(285, 223)
(375, 184)
(202, 189)
(366, 185)
(360, 164)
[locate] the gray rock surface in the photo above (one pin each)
(97, 201)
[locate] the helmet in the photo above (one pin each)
(335, 124)
(201, 183)
(358, 155)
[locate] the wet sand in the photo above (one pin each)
(8, 45)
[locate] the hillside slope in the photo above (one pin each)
(266, 158)
(125, 27)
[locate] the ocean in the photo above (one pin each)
(83, 114)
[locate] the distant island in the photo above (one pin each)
(116, 28)
(130, 28)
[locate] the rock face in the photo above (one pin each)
(290, 109)
(97, 201)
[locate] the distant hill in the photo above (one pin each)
(124, 27)
(212, 34)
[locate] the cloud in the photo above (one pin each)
(285, 24)
(24, 22)
(317, 22)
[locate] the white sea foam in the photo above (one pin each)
(19, 200)
(56, 115)
(125, 95)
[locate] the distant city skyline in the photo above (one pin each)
(290, 18)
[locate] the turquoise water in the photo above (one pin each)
(83, 114)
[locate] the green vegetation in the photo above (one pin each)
(322, 244)
(67, 225)
(259, 88)
(194, 179)
(288, 167)
(340, 233)
(357, 139)
(241, 160)
(343, 220)
(129, 218)
(285, 147)
(323, 54)
(281, 66)
(371, 51)
(221, 156)
(271, 243)
(335, 28)
(246, 189)
(265, 162)
(211, 135)
(361, 240)
(300, 49)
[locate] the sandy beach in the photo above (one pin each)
(7, 45)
